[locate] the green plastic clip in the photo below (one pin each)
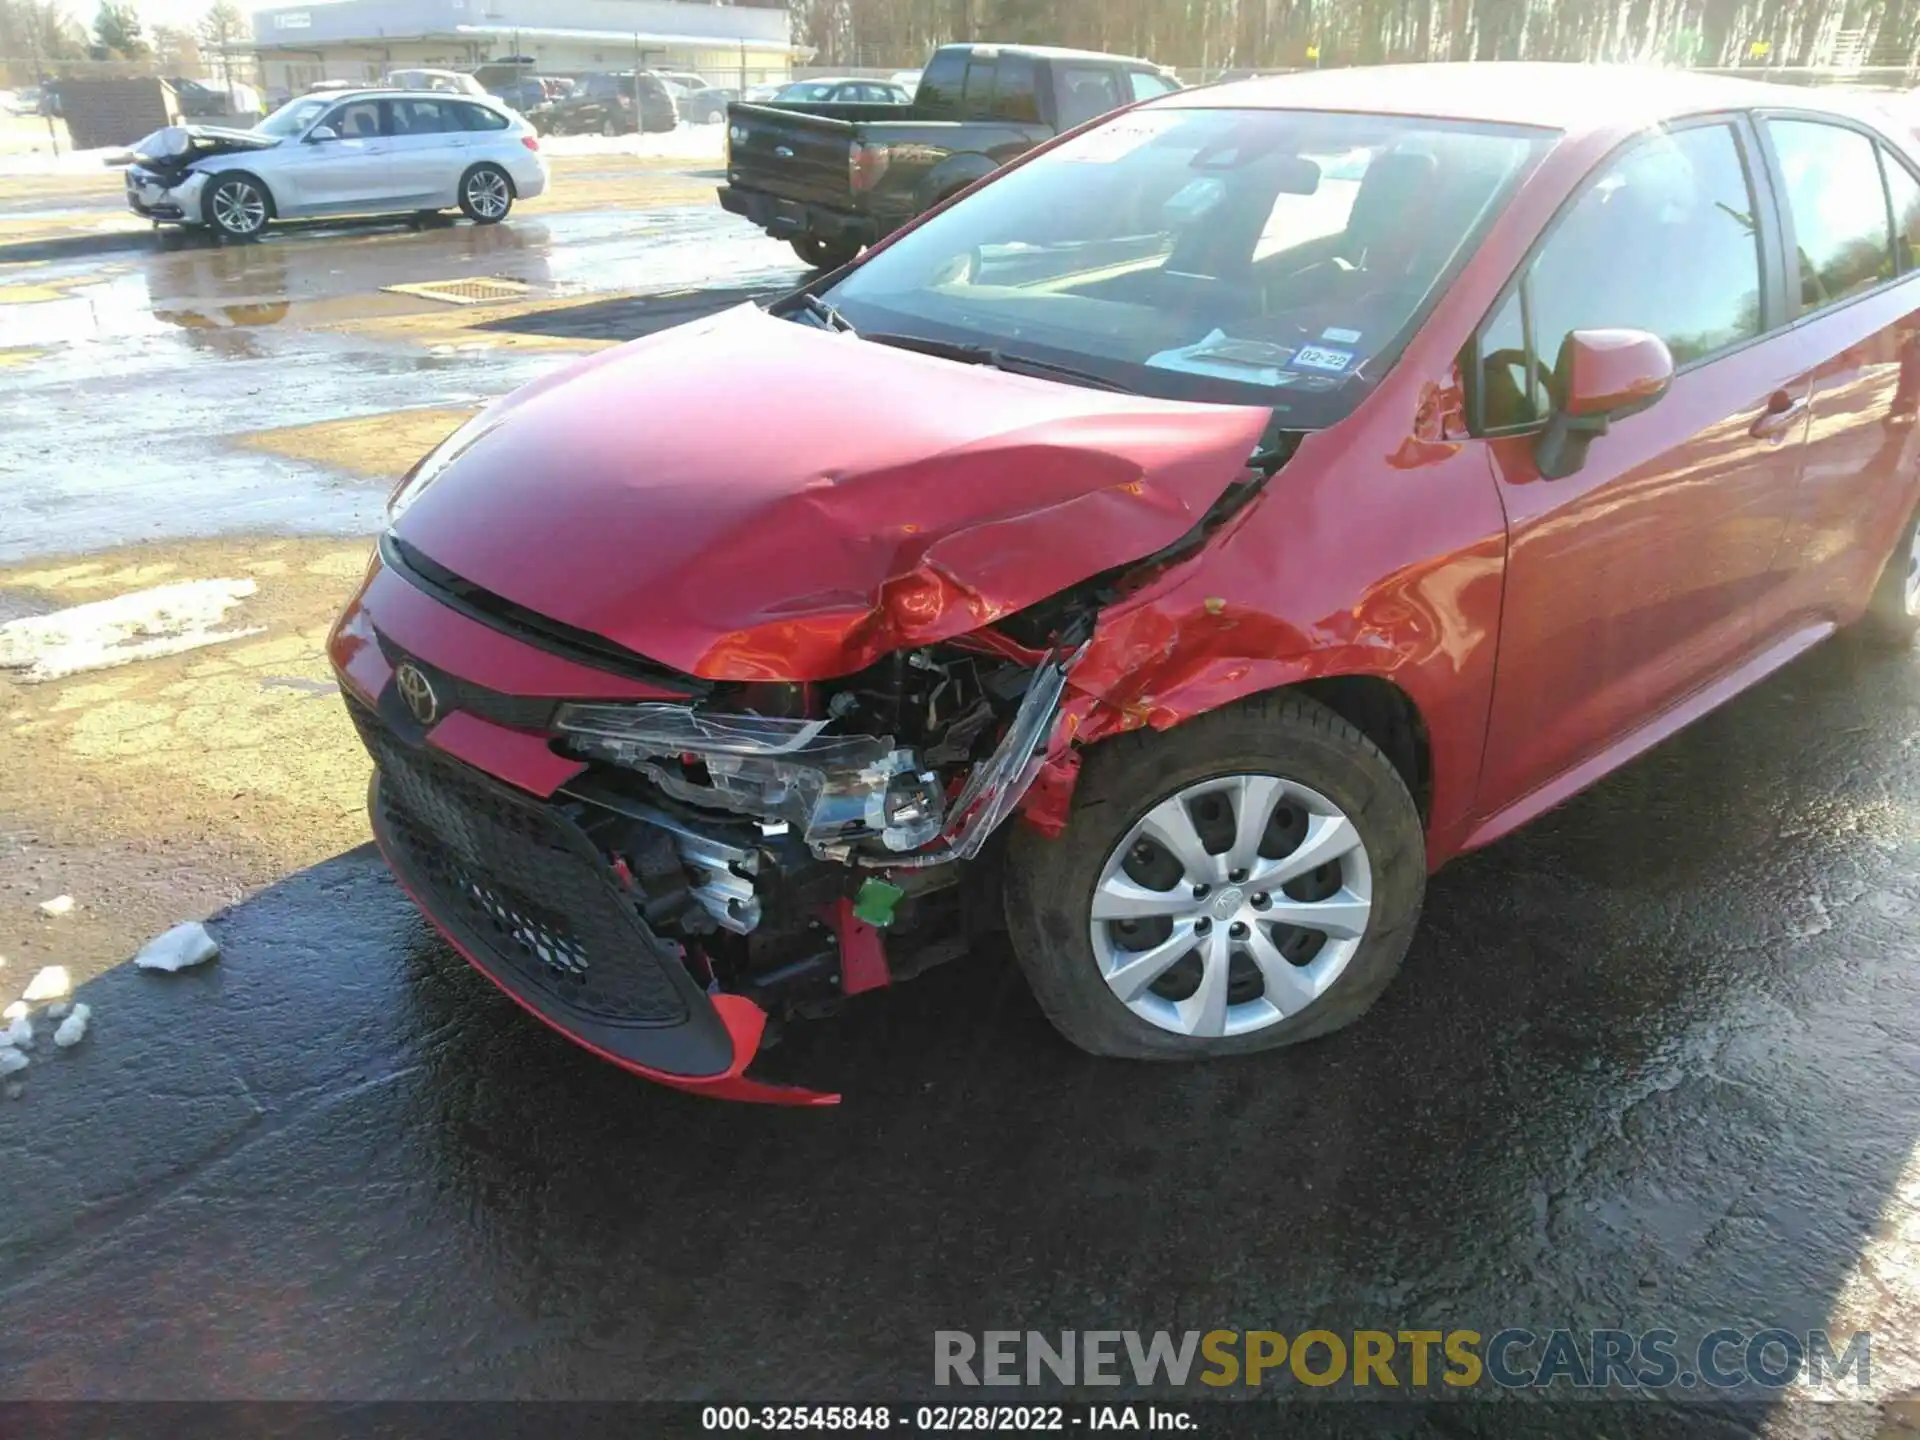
(874, 904)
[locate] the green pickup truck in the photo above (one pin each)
(832, 178)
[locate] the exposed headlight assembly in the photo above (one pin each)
(834, 789)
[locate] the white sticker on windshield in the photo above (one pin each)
(1120, 138)
(1341, 337)
(1319, 357)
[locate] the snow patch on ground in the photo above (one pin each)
(147, 623)
(18, 1034)
(180, 947)
(73, 1029)
(12, 1061)
(59, 905)
(686, 142)
(50, 984)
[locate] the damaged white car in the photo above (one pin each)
(372, 152)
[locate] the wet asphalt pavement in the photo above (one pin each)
(1651, 1063)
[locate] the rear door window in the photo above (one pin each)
(1145, 86)
(1903, 193)
(1016, 96)
(422, 117)
(1086, 92)
(976, 94)
(940, 85)
(1838, 207)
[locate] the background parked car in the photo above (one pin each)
(452, 81)
(525, 94)
(610, 104)
(844, 91)
(699, 102)
(364, 152)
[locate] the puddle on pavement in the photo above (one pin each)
(128, 420)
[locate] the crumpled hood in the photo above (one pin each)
(751, 498)
(179, 145)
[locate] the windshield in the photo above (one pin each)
(1266, 257)
(295, 116)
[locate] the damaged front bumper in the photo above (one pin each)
(650, 868)
(152, 198)
(525, 896)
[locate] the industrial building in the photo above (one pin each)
(734, 45)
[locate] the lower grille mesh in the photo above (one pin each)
(507, 871)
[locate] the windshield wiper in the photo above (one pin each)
(829, 318)
(998, 359)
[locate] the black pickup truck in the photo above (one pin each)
(832, 178)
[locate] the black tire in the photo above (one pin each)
(232, 194)
(1050, 883)
(824, 254)
(486, 194)
(1891, 620)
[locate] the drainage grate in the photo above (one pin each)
(475, 290)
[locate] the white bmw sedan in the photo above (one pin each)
(352, 152)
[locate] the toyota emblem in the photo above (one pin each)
(417, 691)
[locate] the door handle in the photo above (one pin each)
(1778, 418)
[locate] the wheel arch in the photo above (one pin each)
(238, 172)
(513, 188)
(1389, 717)
(1377, 706)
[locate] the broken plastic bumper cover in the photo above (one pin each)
(523, 894)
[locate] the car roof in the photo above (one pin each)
(1569, 97)
(1053, 52)
(391, 91)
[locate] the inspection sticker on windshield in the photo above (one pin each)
(1320, 357)
(1119, 139)
(1340, 337)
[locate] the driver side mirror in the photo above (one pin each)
(322, 132)
(1601, 376)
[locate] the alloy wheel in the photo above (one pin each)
(1231, 905)
(487, 193)
(1912, 590)
(239, 208)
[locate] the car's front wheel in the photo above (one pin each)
(486, 194)
(1246, 881)
(1893, 611)
(238, 206)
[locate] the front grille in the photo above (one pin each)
(509, 876)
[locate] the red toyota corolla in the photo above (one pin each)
(1169, 552)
